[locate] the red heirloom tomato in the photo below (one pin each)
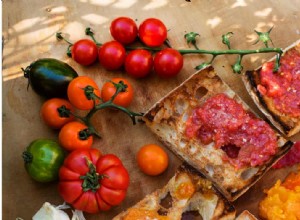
(168, 62)
(78, 95)
(75, 135)
(112, 55)
(123, 98)
(124, 30)
(54, 112)
(152, 32)
(138, 63)
(91, 182)
(84, 52)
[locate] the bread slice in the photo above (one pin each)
(284, 122)
(246, 215)
(168, 118)
(186, 193)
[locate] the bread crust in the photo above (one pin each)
(206, 199)
(167, 120)
(286, 124)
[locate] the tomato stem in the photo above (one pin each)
(27, 157)
(91, 178)
(89, 32)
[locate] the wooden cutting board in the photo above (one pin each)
(29, 29)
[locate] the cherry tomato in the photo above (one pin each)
(123, 98)
(112, 55)
(124, 30)
(152, 32)
(168, 62)
(84, 52)
(92, 182)
(77, 95)
(74, 135)
(54, 112)
(139, 63)
(152, 159)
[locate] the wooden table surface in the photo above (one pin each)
(29, 29)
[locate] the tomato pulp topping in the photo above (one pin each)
(291, 158)
(245, 139)
(283, 86)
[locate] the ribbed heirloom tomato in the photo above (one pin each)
(75, 135)
(124, 30)
(124, 98)
(152, 159)
(53, 112)
(91, 182)
(80, 90)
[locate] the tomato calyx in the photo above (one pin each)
(89, 93)
(84, 134)
(27, 157)
(91, 178)
(64, 112)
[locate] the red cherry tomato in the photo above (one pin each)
(123, 98)
(112, 55)
(52, 116)
(73, 136)
(124, 30)
(77, 95)
(139, 63)
(84, 52)
(91, 182)
(168, 62)
(152, 32)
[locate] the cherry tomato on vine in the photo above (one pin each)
(84, 52)
(152, 159)
(75, 135)
(112, 55)
(78, 92)
(138, 63)
(168, 62)
(124, 30)
(54, 112)
(123, 98)
(92, 182)
(152, 32)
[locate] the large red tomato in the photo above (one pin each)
(91, 182)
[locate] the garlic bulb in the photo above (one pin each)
(49, 212)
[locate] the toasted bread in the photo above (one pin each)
(284, 122)
(167, 119)
(246, 215)
(186, 193)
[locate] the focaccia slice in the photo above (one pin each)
(186, 193)
(284, 118)
(169, 117)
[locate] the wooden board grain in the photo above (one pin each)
(29, 29)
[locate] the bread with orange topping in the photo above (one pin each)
(170, 117)
(278, 94)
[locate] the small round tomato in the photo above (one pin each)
(84, 52)
(124, 98)
(43, 159)
(168, 62)
(56, 112)
(75, 135)
(152, 159)
(139, 63)
(112, 55)
(124, 30)
(91, 182)
(80, 92)
(152, 32)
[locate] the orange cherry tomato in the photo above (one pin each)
(77, 95)
(152, 159)
(123, 98)
(52, 116)
(74, 135)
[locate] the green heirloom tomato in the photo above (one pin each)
(43, 158)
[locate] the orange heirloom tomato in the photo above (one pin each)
(77, 95)
(124, 98)
(75, 135)
(152, 159)
(54, 112)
